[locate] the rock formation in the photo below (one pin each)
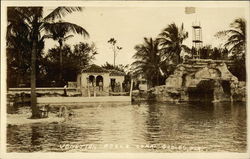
(200, 80)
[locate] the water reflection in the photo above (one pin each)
(36, 136)
(212, 127)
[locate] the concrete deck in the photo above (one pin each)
(62, 100)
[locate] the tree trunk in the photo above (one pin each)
(114, 59)
(18, 77)
(35, 110)
(178, 59)
(19, 69)
(114, 56)
(61, 64)
(158, 78)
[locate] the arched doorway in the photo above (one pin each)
(91, 80)
(99, 82)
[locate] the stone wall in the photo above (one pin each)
(85, 92)
(239, 91)
(45, 91)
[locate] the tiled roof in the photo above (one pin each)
(116, 73)
(94, 69)
(97, 69)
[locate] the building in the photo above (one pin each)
(97, 81)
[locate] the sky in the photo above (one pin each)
(129, 25)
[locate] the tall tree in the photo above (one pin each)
(114, 47)
(236, 37)
(75, 59)
(171, 42)
(33, 20)
(236, 45)
(60, 31)
(18, 48)
(148, 61)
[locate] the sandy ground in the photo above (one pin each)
(20, 119)
(23, 118)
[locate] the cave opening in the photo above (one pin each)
(226, 87)
(203, 92)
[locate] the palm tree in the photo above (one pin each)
(59, 31)
(34, 21)
(18, 48)
(171, 42)
(74, 60)
(115, 48)
(148, 61)
(236, 45)
(236, 36)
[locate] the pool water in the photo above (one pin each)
(137, 127)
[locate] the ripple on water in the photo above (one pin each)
(212, 128)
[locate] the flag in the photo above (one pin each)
(189, 10)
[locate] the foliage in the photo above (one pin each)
(59, 31)
(236, 44)
(33, 23)
(74, 60)
(236, 36)
(148, 62)
(239, 68)
(19, 44)
(171, 43)
(114, 47)
(120, 67)
(157, 59)
(20, 29)
(207, 52)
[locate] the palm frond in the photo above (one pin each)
(186, 48)
(74, 28)
(236, 36)
(231, 43)
(59, 30)
(67, 37)
(237, 47)
(60, 12)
